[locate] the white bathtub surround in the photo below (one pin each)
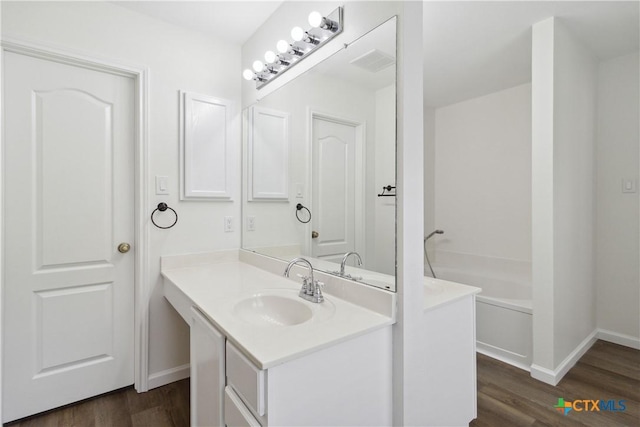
(504, 307)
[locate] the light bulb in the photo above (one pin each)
(315, 19)
(297, 33)
(258, 66)
(270, 57)
(247, 74)
(282, 46)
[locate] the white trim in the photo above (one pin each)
(361, 163)
(169, 376)
(503, 356)
(140, 75)
(620, 339)
(553, 377)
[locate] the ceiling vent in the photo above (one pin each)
(373, 61)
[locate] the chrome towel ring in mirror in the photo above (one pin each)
(299, 207)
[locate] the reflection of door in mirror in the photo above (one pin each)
(337, 160)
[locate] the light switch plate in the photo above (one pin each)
(299, 191)
(162, 185)
(628, 185)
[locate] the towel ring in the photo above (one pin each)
(299, 207)
(163, 207)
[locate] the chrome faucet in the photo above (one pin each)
(344, 262)
(311, 289)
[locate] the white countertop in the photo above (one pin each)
(439, 292)
(215, 289)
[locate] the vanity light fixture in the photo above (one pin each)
(323, 29)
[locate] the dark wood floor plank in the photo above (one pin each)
(605, 371)
(153, 417)
(113, 410)
(507, 396)
(544, 412)
(607, 381)
(626, 367)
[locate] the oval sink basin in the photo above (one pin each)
(273, 310)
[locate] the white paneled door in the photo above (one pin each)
(334, 188)
(69, 189)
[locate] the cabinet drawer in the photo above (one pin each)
(247, 380)
(235, 413)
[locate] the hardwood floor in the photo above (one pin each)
(166, 406)
(507, 397)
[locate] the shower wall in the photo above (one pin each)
(481, 182)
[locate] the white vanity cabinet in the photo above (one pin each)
(207, 372)
(334, 367)
(348, 383)
(345, 384)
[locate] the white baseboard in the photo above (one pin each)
(553, 377)
(621, 339)
(168, 376)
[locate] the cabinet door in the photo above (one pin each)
(207, 372)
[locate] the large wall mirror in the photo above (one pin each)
(317, 153)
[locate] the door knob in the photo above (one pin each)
(123, 248)
(314, 234)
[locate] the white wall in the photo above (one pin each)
(177, 59)
(617, 254)
(483, 180)
(429, 173)
(563, 189)
(383, 245)
(574, 192)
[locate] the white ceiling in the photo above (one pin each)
(471, 48)
(232, 21)
(475, 48)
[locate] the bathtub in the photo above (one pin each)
(504, 315)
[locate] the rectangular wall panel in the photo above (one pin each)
(206, 168)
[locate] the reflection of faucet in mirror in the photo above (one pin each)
(311, 289)
(344, 262)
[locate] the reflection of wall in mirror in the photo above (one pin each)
(384, 251)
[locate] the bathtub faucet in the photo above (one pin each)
(425, 249)
(432, 233)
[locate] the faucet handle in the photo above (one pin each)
(317, 291)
